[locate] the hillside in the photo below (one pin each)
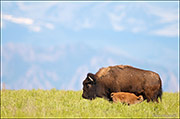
(61, 103)
(66, 66)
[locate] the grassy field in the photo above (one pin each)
(60, 103)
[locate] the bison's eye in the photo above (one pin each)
(88, 85)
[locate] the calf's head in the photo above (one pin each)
(140, 98)
(89, 87)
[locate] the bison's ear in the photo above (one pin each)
(140, 97)
(91, 77)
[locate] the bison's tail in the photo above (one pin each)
(160, 94)
(160, 91)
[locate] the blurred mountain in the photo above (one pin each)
(66, 66)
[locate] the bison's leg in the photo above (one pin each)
(148, 95)
(157, 100)
(148, 100)
(151, 94)
(154, 96)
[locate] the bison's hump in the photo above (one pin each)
(104, 71)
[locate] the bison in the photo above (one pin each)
(127, 98)
(122, 78)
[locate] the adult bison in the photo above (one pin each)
(122, 78)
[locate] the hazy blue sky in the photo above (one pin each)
(55, 44)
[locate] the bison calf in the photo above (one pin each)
(127, 98)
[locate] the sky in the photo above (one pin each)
(49, 45)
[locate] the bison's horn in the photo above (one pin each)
(90, 78)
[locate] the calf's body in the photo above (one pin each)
(127, 98)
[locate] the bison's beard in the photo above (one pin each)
(89, 97)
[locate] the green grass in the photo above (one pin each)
(60, 103)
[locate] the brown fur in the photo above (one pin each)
(127, 98)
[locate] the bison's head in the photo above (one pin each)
(89, 87)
